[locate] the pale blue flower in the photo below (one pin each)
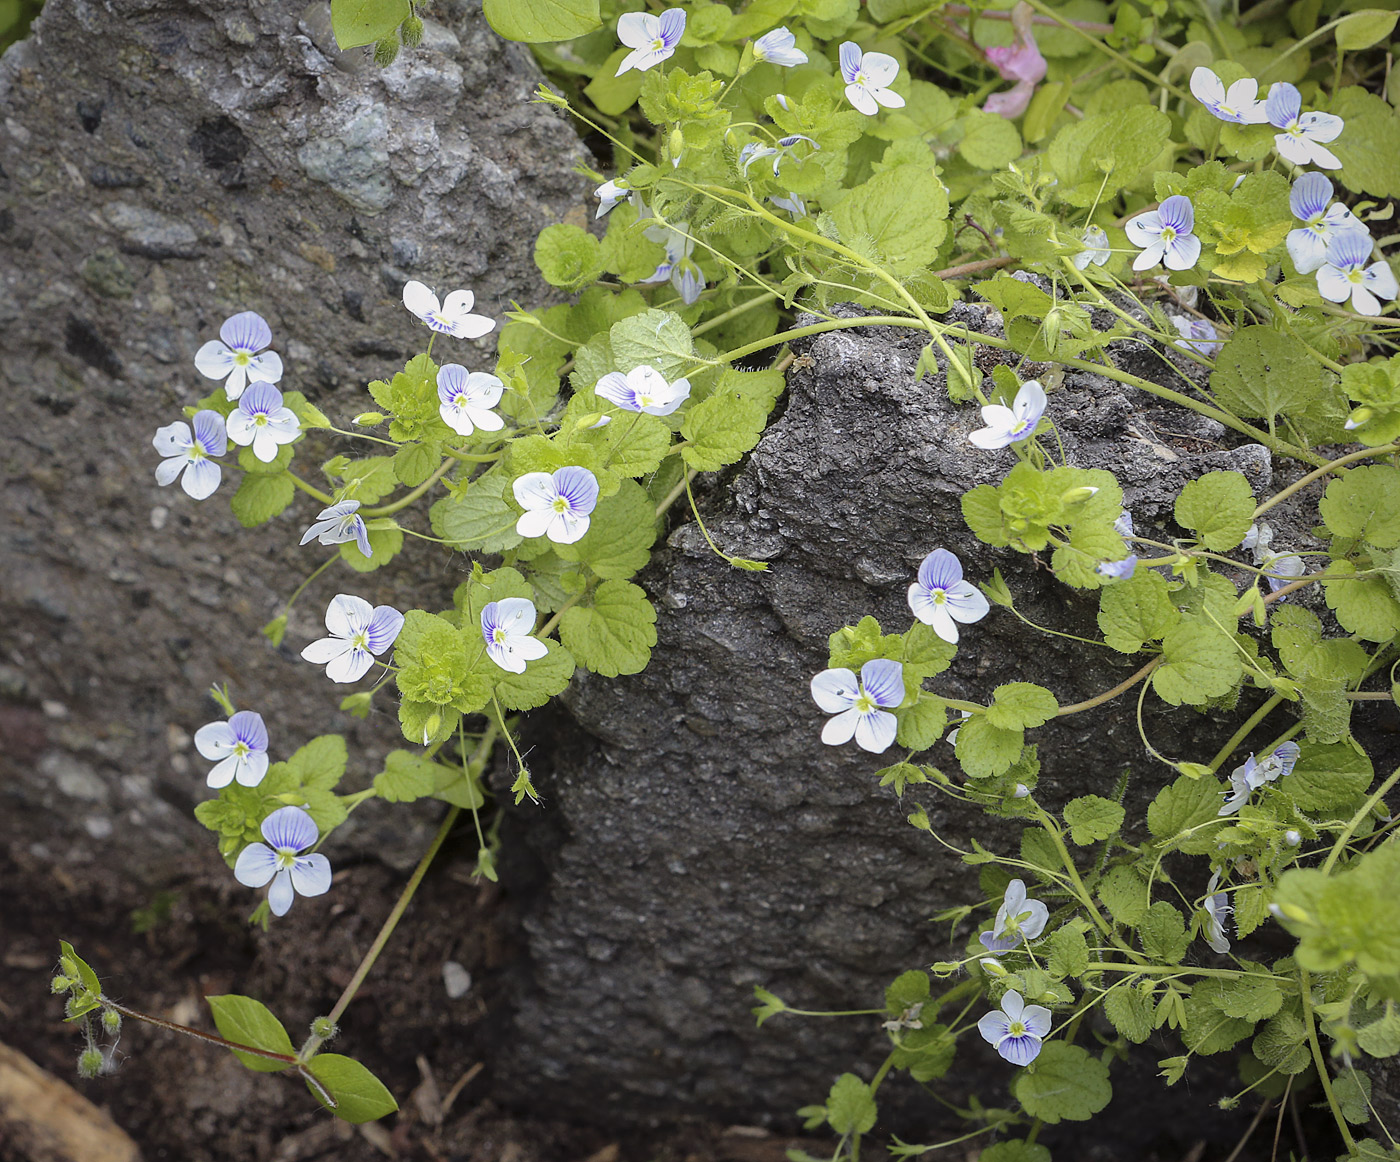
(1345, 274)
(1123, 526)
(237, 356)
(1166, 235)
(1240, 106)
(1096, 249)
(1009, 425)
(652, 39)
(338, 524)
(262, 421)
(868, 76)
(1251, 775)
(752, 152)
(1016, 1030)
(1018, 920)
(358, 634)
(1257, 539)
(453, 317)
(240, 745)
(643, 389)
(793, 204)
(679, 268)
(465, 399)
(1198, 335)
(557, 504)
(1281, 569)
(1301, 141)
(289, 831)
(609, 194)
(192, 454)
(1117, 570)
(861, 707)
(1311, 203)
(505, 628)
(1217, 907)
(941, 598)
(779, 47)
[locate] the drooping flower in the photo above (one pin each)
(240, 745)
(779, 47)
(1249, 776)
(289, 831)
(868, 77)
(1304, 134)
(1020, 62)
(262, 421)
(757, 149)
(190, 454)
(1278, 762)
(1123, 526)
(1015, 1030)
(952, 736)
(1309, 200)
(1096, 249)
(643, 389)
(338, 524)
(453, 317)
(752, 152)
(1281, 569)
(1166, 235)
(1198, 335)
(861, 707)
(505, 627)
(359, 634)
(557, 504)
(466, 399)
(941, 598)
(1009, 425)
(1018, 919)
(679, 268)
(1117, 570)
(1257, 539)
(793, 204)
(1240, 105)
(237, 356)
(1217, 907)
(652, 39)
(1345, 274)
(609, 194)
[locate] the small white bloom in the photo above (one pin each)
(861, 706)
(610, 193)
(234, 357)
(1095, 250)
(868, 77)
(1345, 274)
(1008, 425)
(643, 389)
(1311, 203)
(1240, 105)
(190, 454)
(779, 47)
(793, 204)
(240, 745)
(465, 399)
(1198, 335)
(453, 317)
(941, 598)
(505, 627)
(359, 634)
(339, 524)
(262, 421)
(1166, 235)
(1301, 141)
(1217, 907)
(557, 504)
(652, 39)
(289, 831)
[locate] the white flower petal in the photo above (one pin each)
(280, 896)
(311, 875)
(256, 864)
(213, 360)
(842, 728)
(350, 666)
(419, 299)
(202, 479)
(347, 615)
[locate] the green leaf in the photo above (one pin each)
(632, 445)
(1369, 149)
(989, 141)
(1125, 895)
(1262, 372)
(1129, 1012)
(614, 633)
(406, 777)
(660, 339)
(540, 21)
(1381, 1037)
(1200, 663)
(568, 256)
(1327, 778)
(1282, 1044)
(1069, 952)
(1361, 30)
(727, 423)
(1163, 934)
(1347, 916)
(260, 497)
(1207, 1029)
(414, 463)
(384, 545)
(1351, 1088)
(1092, 818)
(1218, 507)
(358, 1094)
(1119, 146)
(902, 212)
(1136, 611)
(1364, 606)
(1365, 504)
(80, 969)
(1021, 704)
(922, 724)
(1187, 805)
(1066, 1083)
(1250, 998)
(985, 750)
(1015, 1150)
(249, 1022)
(479, 519)
(320, 764)
(905, 991)
(357, 22)
(850, 1106)
(542, 680)
(620, 534)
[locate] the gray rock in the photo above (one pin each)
(354, 161)
(151, 234)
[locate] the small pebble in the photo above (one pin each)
(456, 979)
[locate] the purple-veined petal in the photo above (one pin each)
(213, 360)
(1013, 1004)
(994, 943)
(201, 479)
(357, 526)
(1037, 1020)
(451, 378)
(1182, 252)
(883, 680)
(1309, 196)
(350, 666)
(247, 331)
(256, 864)
(209, 432)
(835, 690)
(578, 487)
(875, 731)
(994, 1025)
(671, 26)
(281, 896)
(850, 56)
(290, 829)
(1177, 213)
(311, 875)
(347, 615)
(565, 528)
(419, 299)
(384, 626)
(261, 398)
(941, 569)
(1020, 1050)
(247, 727)
(636, 29)
(1283, 104)
(841, 729)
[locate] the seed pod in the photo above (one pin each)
(386, 50)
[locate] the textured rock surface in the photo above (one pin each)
(713, 843)
(163, 165)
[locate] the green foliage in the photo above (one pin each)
(250, 1022)
(359, 1096)
(1066, 1085)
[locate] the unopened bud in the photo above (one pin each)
(324, 1028)
(430, 727)
(385, 51)
(1021, 791)
(411, 32)
(1361, 415)
(1292, 838)
(592, 420)
(676, 143)
(111, 1021)
(60, 984)
(89, 1063)
(1078, 495)
(991, 966)
(369, 419)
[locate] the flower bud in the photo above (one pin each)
(411, 32)
(111, 1021)
(591, 420)
(1021, 791)
(89, 1063)
(1074, 496)
(386, 50)
(992, 967)
(60, 984)
(1292, 838)
(676, 144)
(1362, 415)
(369, 419)
(324, 1028)
(430, 727)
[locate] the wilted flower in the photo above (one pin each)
(190, 455)
(262, 421)
(1198, 335)
(1095, 250)
(643, 389)
(1015, 1030)
(1240, 105)
(453, 317)
(941, 598)
(861, 707)
(1345, 274)
(1301, 141)
(779, 47)
(1282, 568)
(1018, 919)
(505, 627)
(557, 504)
(652, 39)
(1020, 62)
(679, 268)
(1217, 906)
(359, 634)
(234, 357)
(240, 745)
(1309, 200)
(1009, 425)
(1257, 539)
(1166, 235)
(338, 524)
(1117, 570)
(792, 204)
(610, 193)
(466, 399)
(289, 831)
(868, 77)
(1250, 775)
